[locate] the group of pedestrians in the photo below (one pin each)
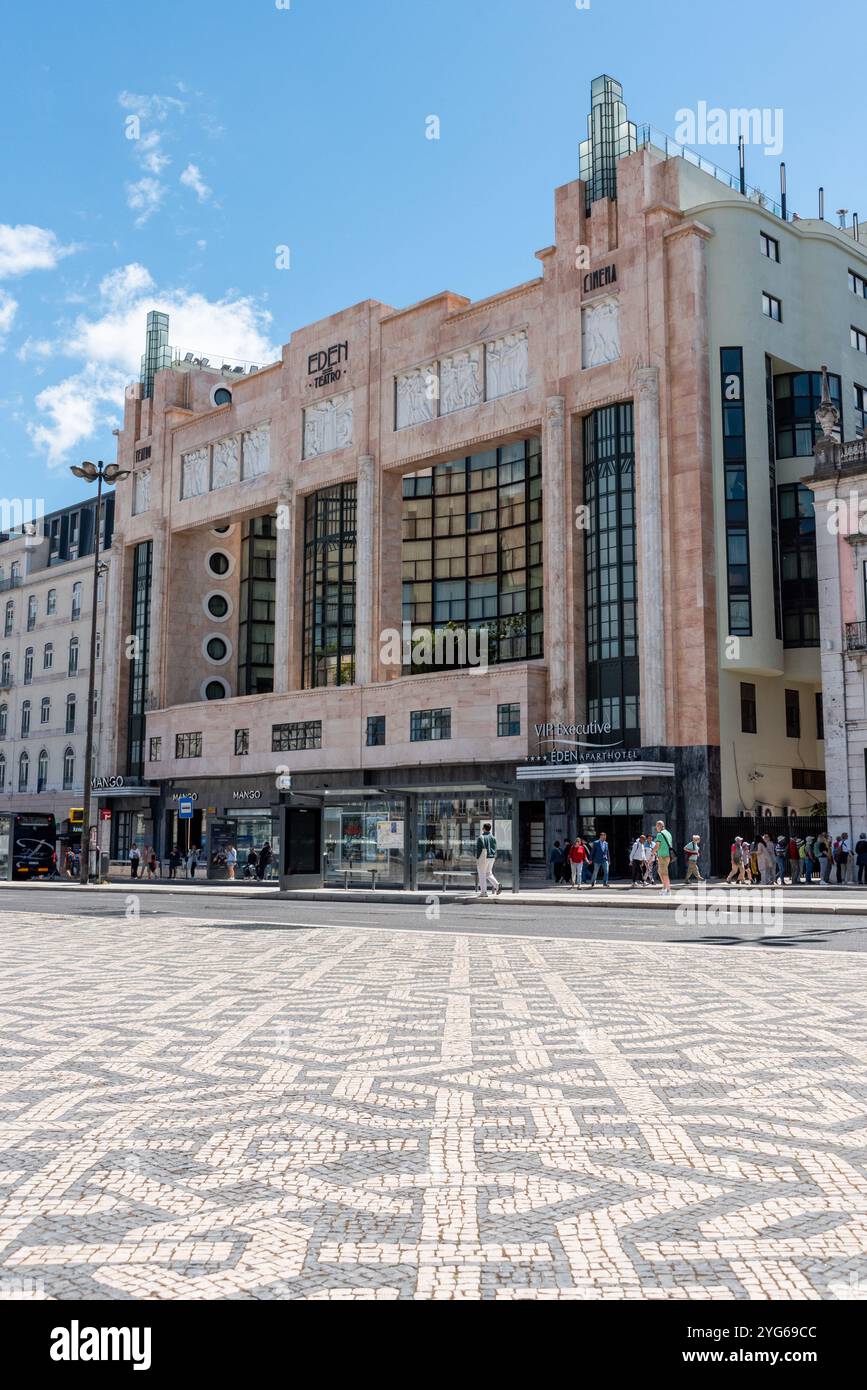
(143, 862)
(580, 863)
(792, 859)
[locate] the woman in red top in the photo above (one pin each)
(577, 859)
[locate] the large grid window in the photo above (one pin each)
(472, 558)
(257, 606)
(858, 339)
(426, 725)
(188, 745)
(798, 566)
(287, 738)
(797, 396)
(138, 673)
(740, 619)
(329, 586)
(609, 571)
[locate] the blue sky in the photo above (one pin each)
(261, 127)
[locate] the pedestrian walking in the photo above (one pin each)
(794, 858)
(600, 855)
(692, 854)
(809, 862)
(824, 856)
(736, 858)
(486, 855)
(765, 857)
(638, 860)
(231, 861)
(861, 857)
(664, 845)
(577, 857)
(556, 860)
(134, 860)
(265, 857)
(192, 861)
(843, 857)
(780, 857)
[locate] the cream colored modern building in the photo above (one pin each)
(598, 469)
(46, 587)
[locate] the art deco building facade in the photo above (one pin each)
(598, 469)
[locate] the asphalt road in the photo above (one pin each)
(790, 929)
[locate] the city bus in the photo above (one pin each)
(27, 844)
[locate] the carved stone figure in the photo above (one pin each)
(417, 396)
(506, 363)
(256, 451)
(600, 332)
(328, 425)
(194, 472)
(226, 465)
(142, 492)
(460, 380)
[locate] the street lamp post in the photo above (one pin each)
(93, 472)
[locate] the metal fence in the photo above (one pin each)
(725, 828)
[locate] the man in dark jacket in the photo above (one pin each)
(600, 855)
(556, 859)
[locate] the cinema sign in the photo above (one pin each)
(598, 279)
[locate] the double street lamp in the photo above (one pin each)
(93, 473)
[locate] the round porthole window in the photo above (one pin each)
(215, 690)
(222, 530)
(218, 605)
(222, 396)
(219, 562)
(216, 649)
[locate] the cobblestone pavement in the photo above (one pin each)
(345, 1114)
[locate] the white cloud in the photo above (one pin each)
(150, 107)
(151, 153)
(110, 343)
(35, 347)
(76, 408)
(25, 248)
(8, 310)
(144, 197)
(192, 178)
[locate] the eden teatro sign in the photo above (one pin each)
(325, 366)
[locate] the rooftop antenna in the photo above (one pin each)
(842, 214)
(783, 190)
(856, 227)
(741, 164)
(821, 205)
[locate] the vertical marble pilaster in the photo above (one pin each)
(284, 608)
(651, 607)
(364, 570)
(554, 501)
(159, 600)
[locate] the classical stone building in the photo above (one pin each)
(46, 587)
(597, 471)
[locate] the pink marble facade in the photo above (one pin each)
(660, 290)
